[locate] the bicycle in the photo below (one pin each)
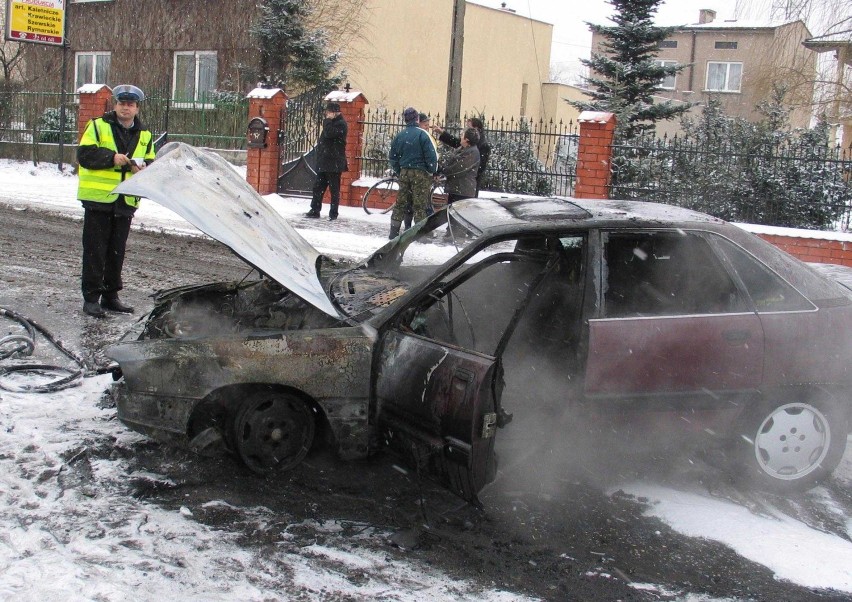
(382, 196)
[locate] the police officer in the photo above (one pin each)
(112, 148)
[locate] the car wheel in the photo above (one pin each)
(792, 444)
(273, 431)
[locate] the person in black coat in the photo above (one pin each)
(331, 161)
(482, 145)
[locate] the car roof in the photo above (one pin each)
(521, 212)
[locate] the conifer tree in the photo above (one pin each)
(292, 55)
(624, 77)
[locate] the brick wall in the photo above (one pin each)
(352, 107)
(816, 250)
(95, 100)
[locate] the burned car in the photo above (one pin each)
(635, 309)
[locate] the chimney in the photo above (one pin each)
(705, 15)
(506, 8)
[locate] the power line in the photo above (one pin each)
(571, 44)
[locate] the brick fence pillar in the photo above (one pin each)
(262, 163)
(594, 156)
(95, 100)
(352, 107)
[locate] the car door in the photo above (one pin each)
(439, 373)
(673, 321)
(437, 409)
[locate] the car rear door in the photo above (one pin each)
(673, 321)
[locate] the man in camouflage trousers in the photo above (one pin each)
(414, 161)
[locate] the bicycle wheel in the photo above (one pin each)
(381, 196)
(438, 196)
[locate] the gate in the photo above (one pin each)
(302, 125)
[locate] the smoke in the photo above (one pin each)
(555, 443)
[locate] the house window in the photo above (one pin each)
(725, 45)
(91, 68)
(724, 77)
(669, 81)
(667, 44)
(194, 78)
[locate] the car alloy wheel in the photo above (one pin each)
(273, 431)
(794, 444)
(792, 441)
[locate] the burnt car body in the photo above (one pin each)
(634, 309)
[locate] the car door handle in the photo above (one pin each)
(736, 336)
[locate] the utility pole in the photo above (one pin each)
(62, 94)
(453, 110)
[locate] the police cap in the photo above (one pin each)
(127, 92)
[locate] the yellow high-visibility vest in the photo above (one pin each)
(97, 184)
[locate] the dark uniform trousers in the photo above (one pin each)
(104, 243)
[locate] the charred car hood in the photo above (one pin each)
(204, 189)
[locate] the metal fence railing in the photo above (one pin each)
(218, 120)
(301, 124)
(531, 157)
(27, 117)
(798, 183)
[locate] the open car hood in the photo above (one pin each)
(205, 190)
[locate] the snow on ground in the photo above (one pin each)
(62, 540)
(792, 550)
(71, 543)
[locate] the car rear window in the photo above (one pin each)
(805, 280)
(766, 289)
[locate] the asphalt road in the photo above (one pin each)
(554, 538)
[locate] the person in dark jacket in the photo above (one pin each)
(414, 161)
(331, 161)
(424, 123)
(460, 167)
(111, 149)
(482, 145)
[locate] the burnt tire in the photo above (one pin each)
(273, 431)
(791, 444)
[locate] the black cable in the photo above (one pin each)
(62, 383)
(24, 348)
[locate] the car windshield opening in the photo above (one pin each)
(402, 264)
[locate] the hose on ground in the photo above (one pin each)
(17, 346)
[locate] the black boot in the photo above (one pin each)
(91, 308)
(113, 303)
(394, 229)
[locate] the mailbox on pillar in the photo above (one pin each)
(258, 130)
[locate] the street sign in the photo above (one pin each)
(38, 21)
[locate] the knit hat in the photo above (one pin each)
(333, 107)
(410, 114)
(423, 117)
